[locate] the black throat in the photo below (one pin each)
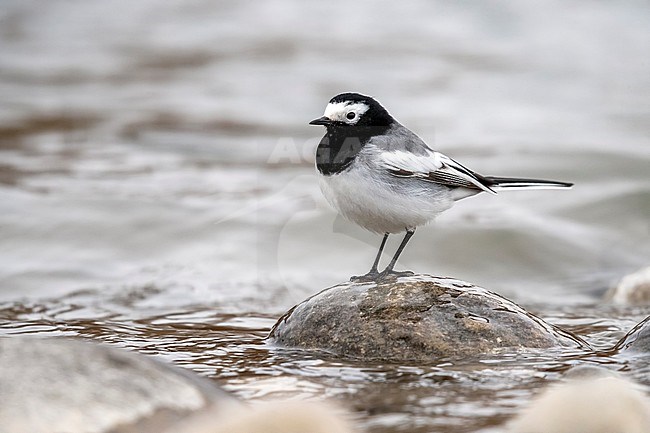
(341, 144)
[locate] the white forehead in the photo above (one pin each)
(338, 110)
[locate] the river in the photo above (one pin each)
(158, 192)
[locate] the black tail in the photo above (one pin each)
(515, 183)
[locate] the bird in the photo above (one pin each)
(380, 175)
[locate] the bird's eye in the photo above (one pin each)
(351, 115)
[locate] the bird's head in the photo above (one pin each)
(353, 110)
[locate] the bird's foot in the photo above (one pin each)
(390, 274)
(374, 276)
(371, 276)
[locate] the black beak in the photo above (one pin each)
(321, 121)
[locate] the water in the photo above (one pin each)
(157, 188)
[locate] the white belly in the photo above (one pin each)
(382, 203)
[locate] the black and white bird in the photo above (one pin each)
(380, 175)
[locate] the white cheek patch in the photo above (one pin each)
(339, 110)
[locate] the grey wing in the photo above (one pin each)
(404, 154)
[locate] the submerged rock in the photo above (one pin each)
(638, 339)
(633, 289)
(416, 318)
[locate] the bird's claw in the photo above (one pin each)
(374, 276)
(393, 275)
(369, 277)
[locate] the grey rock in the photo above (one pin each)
(638, 339)
(632, 289)
(72, 386)
(418, 318)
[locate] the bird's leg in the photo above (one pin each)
(374, 270)
(389, 269)
(372, 274)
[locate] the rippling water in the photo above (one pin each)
(157, 188)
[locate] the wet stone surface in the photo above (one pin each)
(418, 318)
(638, 339)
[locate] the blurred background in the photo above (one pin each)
(155, 156)
(167, 143)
